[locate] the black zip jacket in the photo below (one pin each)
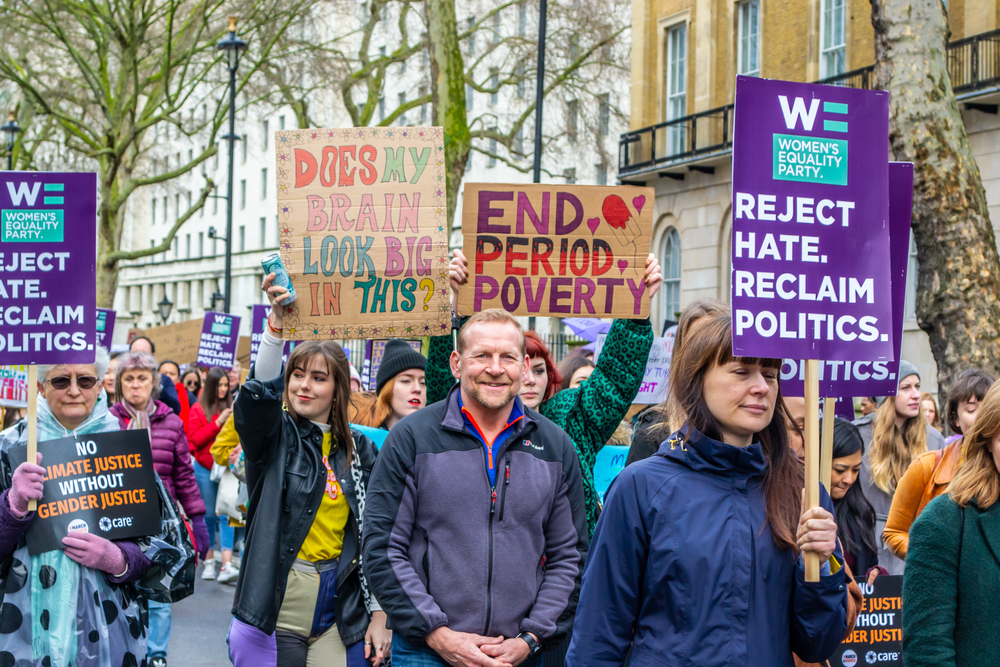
(286, 479)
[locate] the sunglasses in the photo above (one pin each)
(82, 381)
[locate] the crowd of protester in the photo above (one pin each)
(450, 516)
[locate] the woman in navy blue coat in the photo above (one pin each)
(696, 556)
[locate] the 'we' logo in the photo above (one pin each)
(798, 112)
(23, 191)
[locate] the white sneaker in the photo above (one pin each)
(208, 574)
(229, 573)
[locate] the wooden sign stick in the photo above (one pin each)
(811, 391)
(32, 422)
(826, 446)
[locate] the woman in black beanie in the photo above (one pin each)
(399, 386)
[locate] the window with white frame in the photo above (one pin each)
(676, 85)
(671, 288)
(748, 53)
(833, 38)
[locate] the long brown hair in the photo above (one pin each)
(209, 399)
(894, 449)
(670, 416)
(709, 343)
(978, 480)
(336, 362)
(379, 408)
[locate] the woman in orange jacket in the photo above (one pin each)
(929, 476)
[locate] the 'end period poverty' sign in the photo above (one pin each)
(557, 250)
(810, 245)
(870, 378)
(48, 286)
(101, 483)
(220, 335)
(363, 232)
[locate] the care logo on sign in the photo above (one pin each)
(222, 325)
(31, 225)
(809, 158)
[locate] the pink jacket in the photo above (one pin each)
(171, 456)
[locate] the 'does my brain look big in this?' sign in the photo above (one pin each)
(810, 243)
(556, 250)
(363, 232)
(48, 280)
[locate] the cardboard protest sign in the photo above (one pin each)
(100, 483)
(878, 634)
(220, 334)
(558, 250)
(610, 461)
(178, 341)
(654, 381)
(373, 359)
(14, 386)
(810, 245)
(48, 228)
(363, 232)
(257, 327)
(105, 327)
(870, 378)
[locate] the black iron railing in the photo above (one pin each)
(973, 64)
(675, 140)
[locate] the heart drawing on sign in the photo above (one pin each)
(622, 265)
(639, 202)
(592, 223)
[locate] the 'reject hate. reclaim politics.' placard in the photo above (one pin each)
(870, 378)
(810, 244)
(363, 232)
(48, 250)
(556, 250)
(220, 336)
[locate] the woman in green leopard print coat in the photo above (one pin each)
(589, 413)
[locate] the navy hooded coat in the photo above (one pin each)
(684, 569)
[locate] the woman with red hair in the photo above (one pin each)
(589, 413)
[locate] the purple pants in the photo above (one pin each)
(250, 647)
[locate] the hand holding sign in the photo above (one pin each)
(26, 486)
(95, 552)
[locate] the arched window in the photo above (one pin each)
(671, 289)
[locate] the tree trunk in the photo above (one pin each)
(959, 277)
(448, 90)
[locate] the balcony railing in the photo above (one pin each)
(973, 64)
(681, 139)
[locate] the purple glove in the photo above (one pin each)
(26, 485)
(95, 552)
(201, 537)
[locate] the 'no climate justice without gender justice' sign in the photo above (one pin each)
(48, 280)
(99, 483)
(810, 246)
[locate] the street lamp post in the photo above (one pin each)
(233, 46)
(539, 96)
(164, 307)
(10, 131)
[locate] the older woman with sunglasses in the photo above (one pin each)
(45, 616)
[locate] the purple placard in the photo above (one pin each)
(373, 358)
(810, 239)
(105, 327)
(220, 334)
(258, 324)
(871, 378)
(48, 249)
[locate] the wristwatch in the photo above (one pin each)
(533, 646)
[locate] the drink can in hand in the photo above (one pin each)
(272, 264)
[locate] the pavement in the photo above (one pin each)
(200, 624)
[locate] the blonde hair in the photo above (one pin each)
(894, 449)
(978, 479)
(490, 315)
(373, 410)
(928, 397)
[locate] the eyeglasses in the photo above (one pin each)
(82, 381)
